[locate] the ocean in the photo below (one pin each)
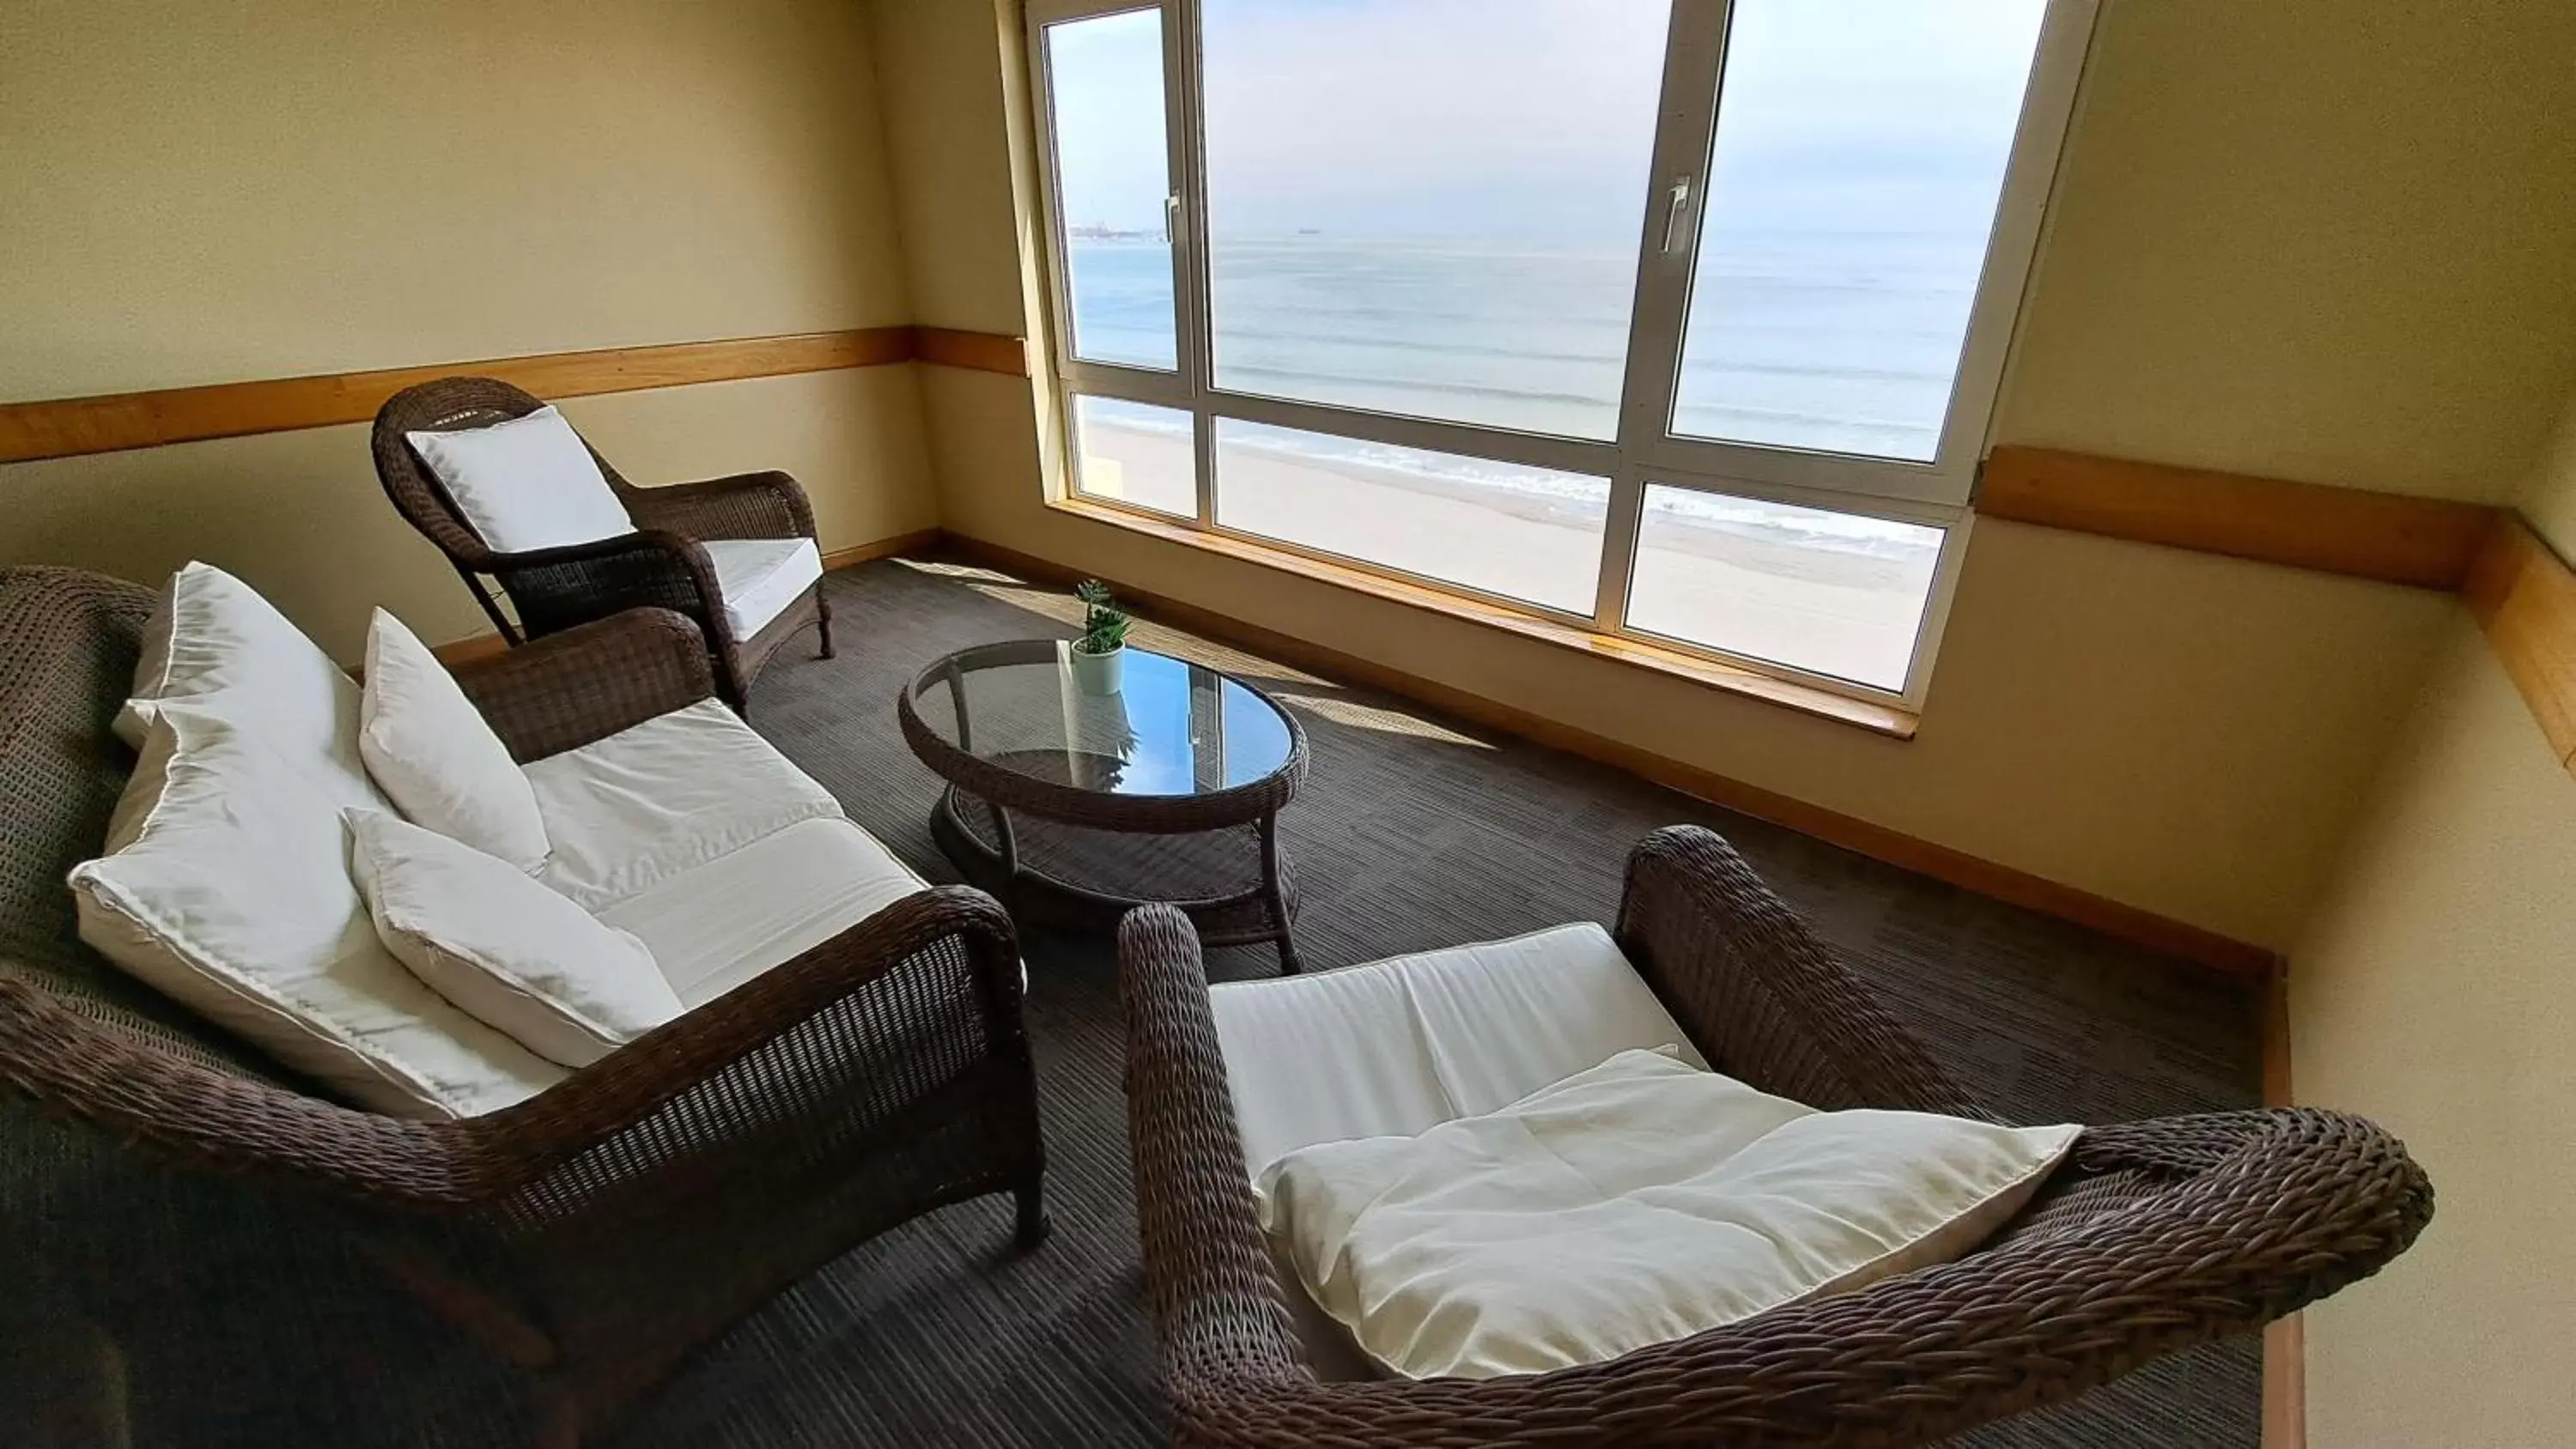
(1841, 343)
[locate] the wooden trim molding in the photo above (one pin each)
(2285, 1383)
(978, 351)
(920, 540)
(65, 427)
(2524, 597)
(2110, 917)
(472, 647)
(2428, 543)
(2285, 1345)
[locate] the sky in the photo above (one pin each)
(1532, 121)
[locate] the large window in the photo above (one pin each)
(1678, 320)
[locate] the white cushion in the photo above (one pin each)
(760, 576)
(232, 895)
(719, 925)
(510, 952)
(213, 643)
(525, 484)
(1392, 1048)
(1641, 1201)
(665, 796)
(428, 748)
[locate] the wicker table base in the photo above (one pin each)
(1235, 884)
(1076, 800)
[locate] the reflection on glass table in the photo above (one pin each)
(1174, 728)
(1170, 785)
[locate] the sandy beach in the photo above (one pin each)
(1827, 610)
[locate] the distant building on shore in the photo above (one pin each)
(1096, 231)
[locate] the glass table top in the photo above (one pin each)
(1170, 728)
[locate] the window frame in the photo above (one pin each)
(1934, 493)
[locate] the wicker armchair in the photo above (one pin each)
(597, 1232)
(661, 565)
(2156, 1236)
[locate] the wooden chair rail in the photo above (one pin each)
(67, 427)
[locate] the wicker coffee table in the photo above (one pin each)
(1074, 807)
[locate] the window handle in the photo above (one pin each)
(1172, 218)
(1676, 205)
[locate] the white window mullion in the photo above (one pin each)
(1618, 549)
(1466, 440)
(1190, 251)
(1137, 384)
(1936, 610)
(1050, 199)
(1694, 56)
(2048, 107)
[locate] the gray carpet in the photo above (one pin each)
(1412, 833)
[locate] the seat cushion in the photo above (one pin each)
(1635, 1203)
(722, 923)
(506, 950)
(526, 484)
(1394, 1048)
(428, 748)
(663, 797)
(759, 577)
(231, 894)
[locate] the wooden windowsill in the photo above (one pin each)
(1883, 719)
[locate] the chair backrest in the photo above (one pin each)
(448, 404)
(68, 642)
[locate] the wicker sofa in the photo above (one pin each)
(2154, 1236)
(598, 1230)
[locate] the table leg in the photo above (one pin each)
(1273, 898)
(1006, 845)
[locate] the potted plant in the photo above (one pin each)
(1100, 654)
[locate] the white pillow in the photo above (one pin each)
(526, 484)
(231, 894)
(1635, 1203)
(428, 748)
(213, 641)
(508, 950)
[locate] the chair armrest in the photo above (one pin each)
(557, 588)
(565, 690)
(1763, 998)
(801, 1042)
(2294, 1206)
(740, 1090)
(1208, 1273)
(748, 505)
(207, 1117)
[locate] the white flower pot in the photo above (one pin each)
(1099, 673)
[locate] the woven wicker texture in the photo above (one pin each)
(658, 566)
(246, 1319)
(626, 1215)
(2215, 1225)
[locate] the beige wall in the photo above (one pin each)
(2315, 239)
(2311, 240)
(206, 193)
(2434, 993)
